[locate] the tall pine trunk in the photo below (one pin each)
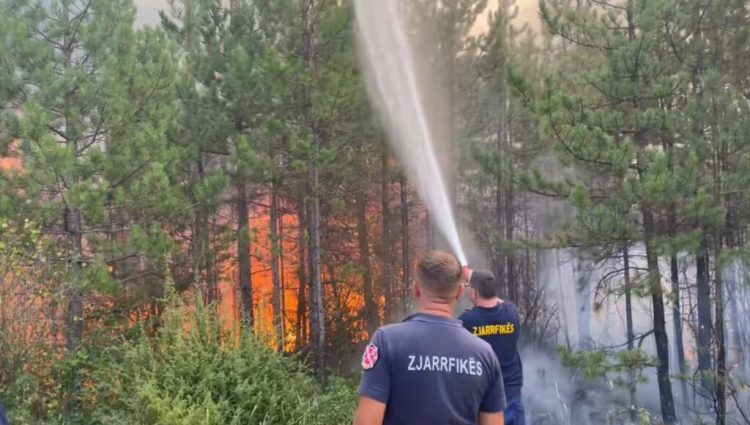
(429, 231)
(405, 261)
(243, 214)
(371, 307)
(720, 234)
(510, 254)
(316, 305)
(282, 277)
(72, 215)
(498, 259)
(386, 243)
(677, 322)
(317, 315)
(74, 319)
(243, 255)
(705, 323)
(660, 331)
(301, 327)
(675, 280)
(666, 397)
(721, 366)
(202, 257)
(630, 335)
(275, 248)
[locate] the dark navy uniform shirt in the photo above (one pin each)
(429, 370)
(3, 418)
(500, 327)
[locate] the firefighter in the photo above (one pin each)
(428, 369)
(3, 418)
(497, 322)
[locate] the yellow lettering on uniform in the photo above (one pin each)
(495, 329)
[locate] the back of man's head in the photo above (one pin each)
(483, 281)
(439, 274)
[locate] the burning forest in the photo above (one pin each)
(218, 215)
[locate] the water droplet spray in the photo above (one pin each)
(390, 65)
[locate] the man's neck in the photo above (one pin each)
(437, 309)
(488, 303)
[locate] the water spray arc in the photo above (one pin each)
(389, 61)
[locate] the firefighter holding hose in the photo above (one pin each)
(427, 370)
(497, 322)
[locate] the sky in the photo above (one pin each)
(148, 11)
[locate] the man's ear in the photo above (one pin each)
(460, 292)
(416, 290)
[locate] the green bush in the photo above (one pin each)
(202, 376)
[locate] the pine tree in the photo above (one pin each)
(498, 50)
(198, 27)
(320, 112)
(715, 35)
(95, 109)
(607, 119)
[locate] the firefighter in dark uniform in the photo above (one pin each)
(3, 418)
(428, 369)
(497, 321)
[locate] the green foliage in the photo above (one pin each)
(200, 376)
(608, 365)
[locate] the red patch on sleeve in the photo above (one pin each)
(370, 356)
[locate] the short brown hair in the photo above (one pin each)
(440, 273)
(484, 282)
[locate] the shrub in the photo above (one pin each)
(196, 373)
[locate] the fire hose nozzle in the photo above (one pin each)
(466, 273)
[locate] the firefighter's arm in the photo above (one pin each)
(375, 387)
(491, 418)
(371, 412)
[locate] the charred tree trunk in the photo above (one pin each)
(405, 261)
(675, 280)
(510, 254)
(317, 315)
(282, 278)
(243, 256)
(677, 322)
(301, 327)
(705, 323)
(73, 220)
(243, 214)
(721, 235)
(666, 397)
(386, 243)
(276, 299)
(660, 331)
(371, 307)
(498, 257)
(74, 323)
(74, 319)
(721, 366)
(202, 255)
(429, 231)
(630, 335)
